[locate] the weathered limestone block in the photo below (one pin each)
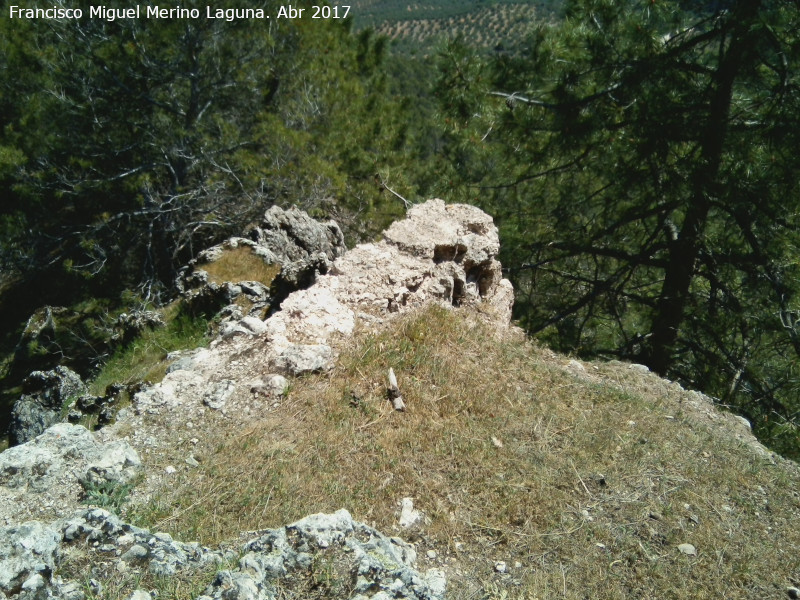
(297, 246)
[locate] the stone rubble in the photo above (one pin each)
(283, 558)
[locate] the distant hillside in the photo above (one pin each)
(485, 23)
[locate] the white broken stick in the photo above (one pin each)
(393, 392)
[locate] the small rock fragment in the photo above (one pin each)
(134, 553)
(576, 366)
(96, 587)
(408, 515)
(219, 394)
(271, 386)
(688, 549)
(253, 325)
(297, 359)
(437, 582)
(33, 583)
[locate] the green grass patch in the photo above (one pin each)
(145, 358)
(83, 563)
(110, 495)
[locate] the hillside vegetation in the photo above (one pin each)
(494, 27)
(584, 480)
(638, 157)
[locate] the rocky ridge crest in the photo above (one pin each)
(439, 254)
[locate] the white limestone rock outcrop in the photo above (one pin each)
(444, 254)
(48, 475)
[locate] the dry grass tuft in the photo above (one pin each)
(583, 485)
(85, 564)
(240, 264)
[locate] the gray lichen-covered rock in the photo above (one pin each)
(130, 324)
(28, 555)
(158, 552)
(349, 557)
(358, 561)
(292, 235)
(50, 472)
(45, 395)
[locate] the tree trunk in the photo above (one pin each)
(735, 45)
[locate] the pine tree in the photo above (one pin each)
(640, 159)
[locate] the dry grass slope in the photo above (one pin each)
(584, 484)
